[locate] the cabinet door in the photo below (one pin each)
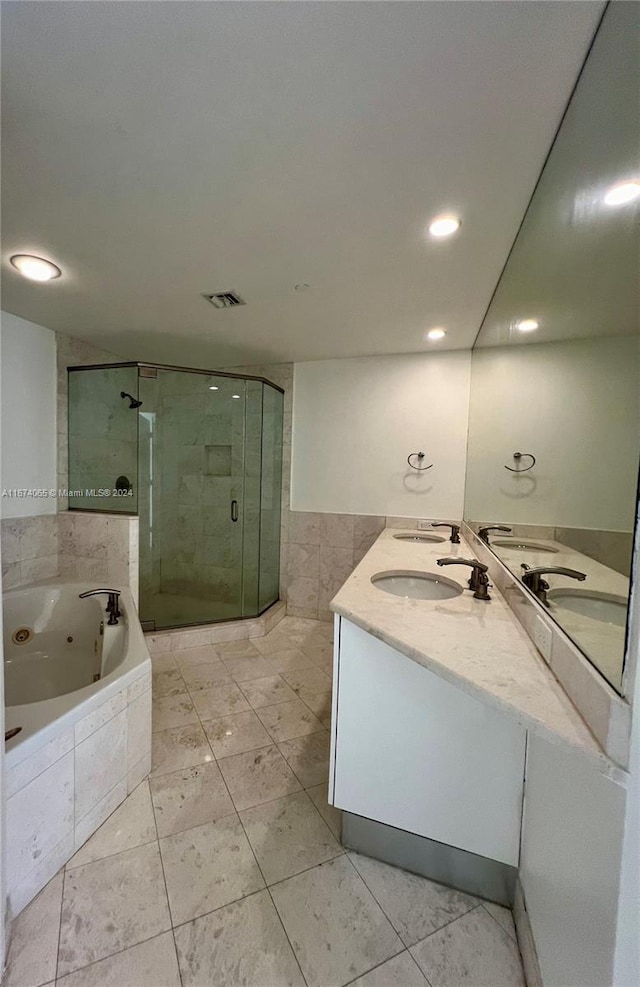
(414, 752)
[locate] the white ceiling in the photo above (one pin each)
(156, 151)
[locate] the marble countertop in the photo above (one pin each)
(477, 646)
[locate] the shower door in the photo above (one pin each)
(191, 497)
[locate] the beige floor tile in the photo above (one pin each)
(149, 964)
(131, 825)
(111, 904)
(319, 649)
(289, 719)
(311, 681)
(267, 691)
(245, 669)
(173, 711)
(188, 798)
(503, 916)
(288, 836)
(163, 662)
(473, 951)
(331, 815)
(189, 657)
(273, 643)
(236, 734)
(290, 661)
(168, 683)
(180, 747)
(319, 704)
(415, 906)
(251, 948)
(401, 971)
(33, 949)
(308, 757)
(207, 867)
(344, 934)
(221, 700)
(237, 649)
(258, 776)
(206, 675)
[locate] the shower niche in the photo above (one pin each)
(197, 455)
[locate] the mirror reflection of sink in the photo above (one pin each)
(522, 546)
(413, 585)
(605, 607)
(431, 538)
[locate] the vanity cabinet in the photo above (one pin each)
(414, 752)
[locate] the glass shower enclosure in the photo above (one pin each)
(197, 455)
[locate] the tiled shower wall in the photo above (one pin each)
(71, 352)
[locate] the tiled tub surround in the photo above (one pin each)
(30, 548)
(96, 547)
(607, 715)
(205, 873)
(81, 755)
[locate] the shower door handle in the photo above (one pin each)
(234, 510)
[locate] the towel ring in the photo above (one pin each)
(420, 456)
(517, 456)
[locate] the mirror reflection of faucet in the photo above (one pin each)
(484, 532)
(532, 578)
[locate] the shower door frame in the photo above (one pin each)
(139, 364)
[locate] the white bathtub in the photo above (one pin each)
(79, 689)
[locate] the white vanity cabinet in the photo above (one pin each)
(414, 752)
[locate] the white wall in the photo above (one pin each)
(356, 421)
(576, 406)
(28, 413)
(627, 956)
(570, 864)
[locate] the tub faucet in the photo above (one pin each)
(532, 578)
(112, 604)
(455, 530)
(484, 532)
(479, 581)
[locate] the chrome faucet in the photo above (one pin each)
(484, 532)
(112, 604)
(455, 530)
(532, 578)
(478, 581)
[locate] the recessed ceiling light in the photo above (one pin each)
(444, 226)
(436, 333)
(235, 395)
(35, 268)
(526, 325)
(213, 388)
(619, 195)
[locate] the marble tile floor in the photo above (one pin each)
(225, 868)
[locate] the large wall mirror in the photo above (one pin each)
(554, 432)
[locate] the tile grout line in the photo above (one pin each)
(266, 887)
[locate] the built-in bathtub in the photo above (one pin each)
(79, 689)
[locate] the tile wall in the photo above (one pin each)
(98, 547)
(61, 793)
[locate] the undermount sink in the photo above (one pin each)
(414, 585)
(422, 537)
(522, 546)
(605, 607)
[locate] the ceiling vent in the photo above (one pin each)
(225, 299)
